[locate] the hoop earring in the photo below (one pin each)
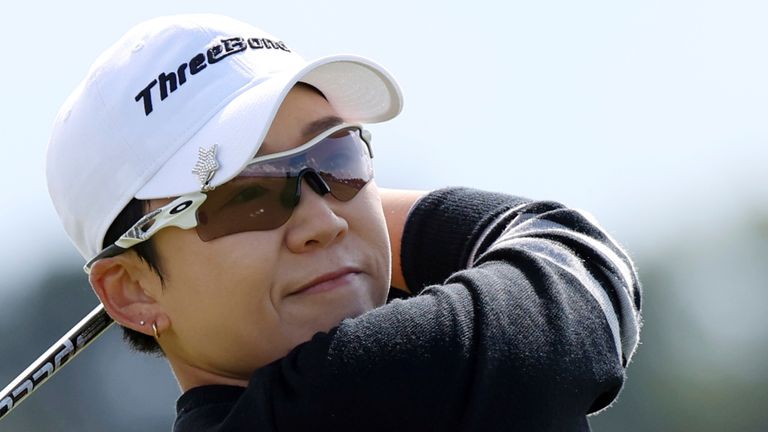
(154, 329)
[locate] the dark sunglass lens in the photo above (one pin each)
(264, 195)
(343, 189)
(246, 204)
(343, 162)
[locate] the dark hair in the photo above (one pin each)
(146, 252)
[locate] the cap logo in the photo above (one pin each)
(206, 166)
(169, 82)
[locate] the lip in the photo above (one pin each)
(327, 281)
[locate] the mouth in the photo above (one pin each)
(328, 281)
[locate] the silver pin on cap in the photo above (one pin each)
(206, 166)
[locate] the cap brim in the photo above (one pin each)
(358, 89)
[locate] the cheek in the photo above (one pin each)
(216, 297)
(367, 222)
(210, 268)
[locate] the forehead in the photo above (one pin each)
(304, 114)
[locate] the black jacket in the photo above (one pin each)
(525, 318)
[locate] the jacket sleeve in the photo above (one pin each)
(526, 316)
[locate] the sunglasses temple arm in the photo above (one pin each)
(109, 252)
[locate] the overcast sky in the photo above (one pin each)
(651, 115)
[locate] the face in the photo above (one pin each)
(243, 300)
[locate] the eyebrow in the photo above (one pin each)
(314, 128)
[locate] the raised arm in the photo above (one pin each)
(524, 317)
(397, 203)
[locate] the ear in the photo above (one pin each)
(129, 290)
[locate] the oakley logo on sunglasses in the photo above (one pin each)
(181, 207)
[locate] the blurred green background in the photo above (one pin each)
(651, 115)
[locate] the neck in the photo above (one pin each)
(191, 376)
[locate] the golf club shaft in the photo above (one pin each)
(82, 334)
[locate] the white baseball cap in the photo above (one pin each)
(174, 85)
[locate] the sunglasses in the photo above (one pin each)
(263, 196)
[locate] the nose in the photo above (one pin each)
(315, 223)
